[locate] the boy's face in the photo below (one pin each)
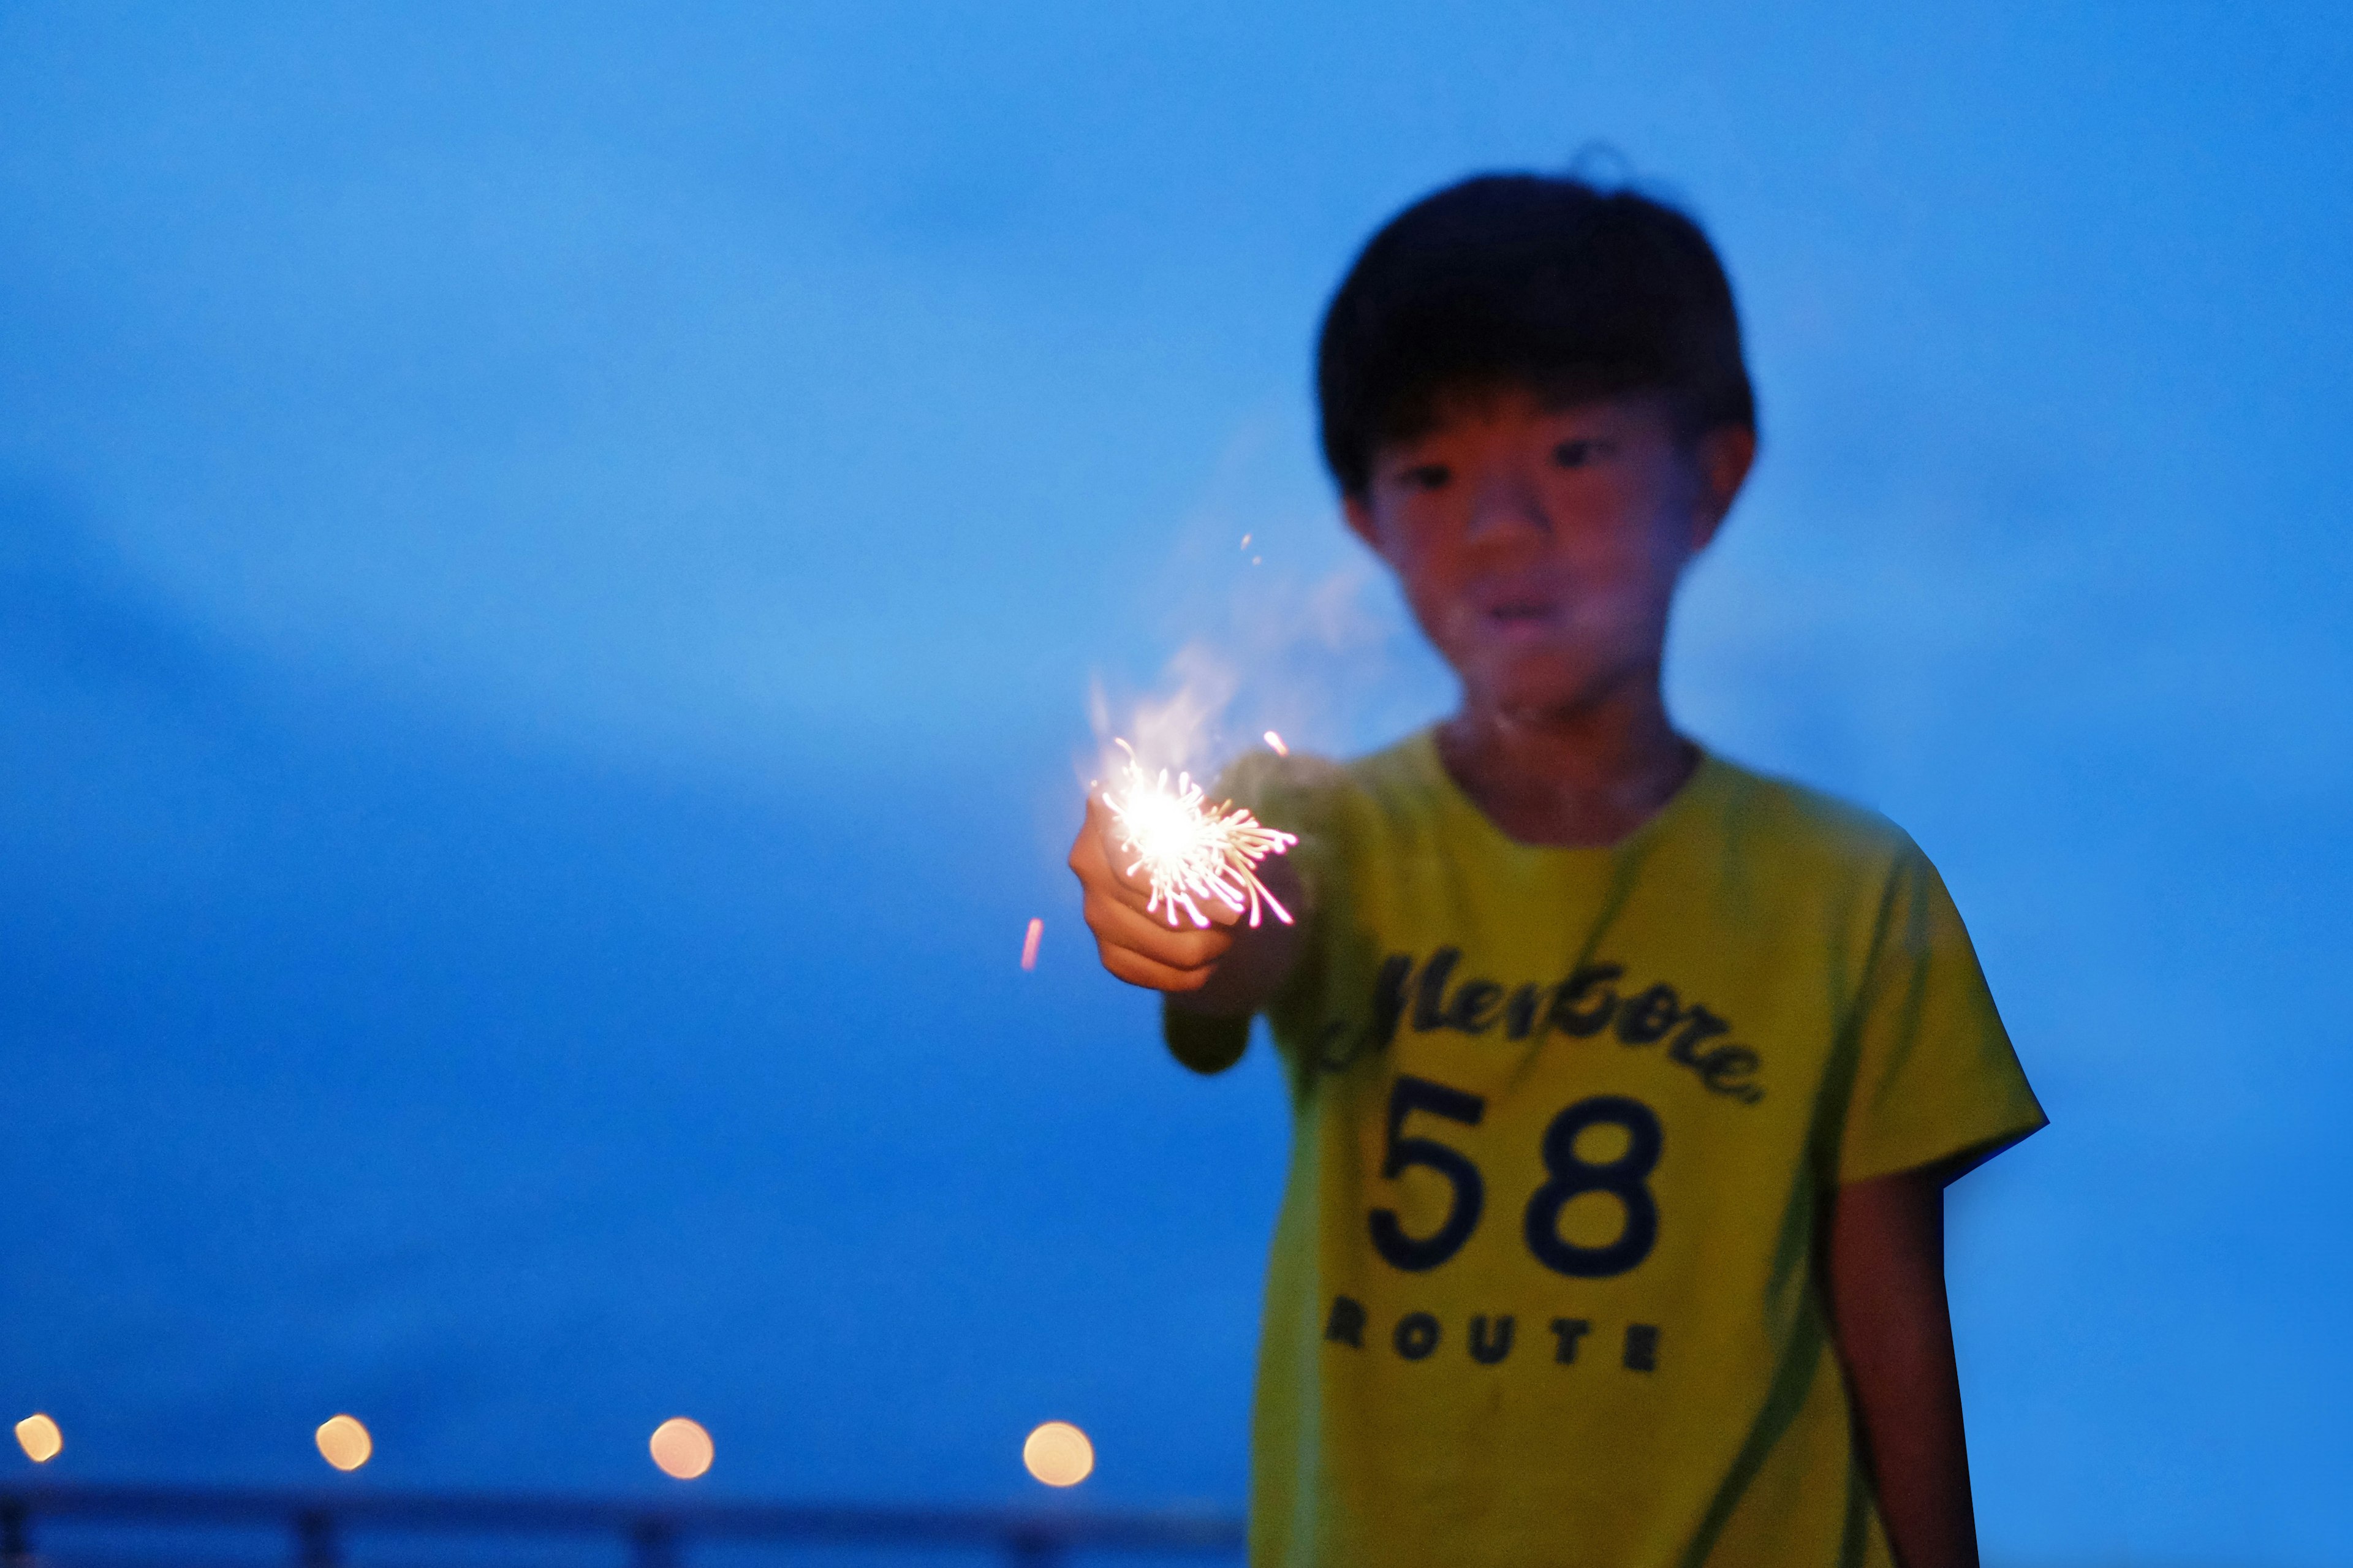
(1540, 545)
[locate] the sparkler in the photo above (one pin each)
(1191, 852)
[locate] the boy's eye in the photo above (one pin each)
(1425, 476)
(1576, 454)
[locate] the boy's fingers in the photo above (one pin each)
(1091, 858)
(1117, 924)
(1137, 888)
(1138, 944)
(1138, 969)
(1099, 864)
(1087, 857)
(1106, 829)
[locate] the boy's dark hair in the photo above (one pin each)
(1544, 280)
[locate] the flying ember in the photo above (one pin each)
(1191, 852)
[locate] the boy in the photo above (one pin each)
(1626, 1081)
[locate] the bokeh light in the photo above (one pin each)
(39, 1438)
(345, 1443)
(681, 1447)
(1059, 1454)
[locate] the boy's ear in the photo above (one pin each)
(1726, 455)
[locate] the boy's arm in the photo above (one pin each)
(1895, 1333)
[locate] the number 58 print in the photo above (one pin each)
(1625, 1178)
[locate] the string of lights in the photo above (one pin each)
(1056, 1453)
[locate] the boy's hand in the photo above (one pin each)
(1142, 948)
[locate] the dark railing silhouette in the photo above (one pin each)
(318, 1524)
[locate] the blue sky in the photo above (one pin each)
(551, 569)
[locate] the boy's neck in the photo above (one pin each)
(1578, 778)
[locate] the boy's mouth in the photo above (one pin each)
(1522, 618)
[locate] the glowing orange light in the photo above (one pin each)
(1029, 944)
(1191, 853)
(682, 1448)
(39, 1438)
(345, 1443)
(1059, 1454)
(1276, 741)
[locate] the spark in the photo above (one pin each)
(1276, 741)
(1029, 944)
(1190, 852)
(1246, 539)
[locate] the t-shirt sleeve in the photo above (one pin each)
(1936, 1081)
(1285, 794)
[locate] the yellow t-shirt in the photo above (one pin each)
(1541, 1290)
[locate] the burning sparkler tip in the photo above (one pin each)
(1275, 741)
(1190, 853)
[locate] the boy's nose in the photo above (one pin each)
(1506, 504)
